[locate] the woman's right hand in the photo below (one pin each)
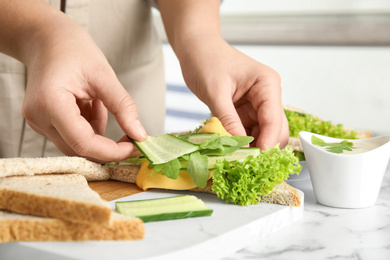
(70, 87)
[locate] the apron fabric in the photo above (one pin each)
(124, 31)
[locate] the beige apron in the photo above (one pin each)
(123, 30)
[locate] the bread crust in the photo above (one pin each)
(282, 194)
(16, 227)
(48, 165)
(63, 196)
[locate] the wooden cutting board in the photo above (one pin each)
(112, 190)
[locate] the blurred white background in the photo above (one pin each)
(333, 57)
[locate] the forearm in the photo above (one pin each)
(189, 21)
(30, 26)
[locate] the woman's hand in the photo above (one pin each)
(70, 84)
(243, 93)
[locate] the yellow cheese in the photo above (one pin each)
(214, 126)
(146, 179)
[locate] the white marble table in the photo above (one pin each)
(321, 233)
(329, 233)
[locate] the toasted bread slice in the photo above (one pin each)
(48, 165)
(18, 227)
(282, 194)
(63, 196)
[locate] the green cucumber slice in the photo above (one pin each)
(238, 155)
(177, 207)
(164, 148)
(199, 138)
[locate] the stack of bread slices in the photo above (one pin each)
(48, 199)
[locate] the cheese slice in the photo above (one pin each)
(214, 126)
(147, 178)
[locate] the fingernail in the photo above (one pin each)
(140, 130)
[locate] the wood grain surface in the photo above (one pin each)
(111, 190)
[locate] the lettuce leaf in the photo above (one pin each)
(170, 169)
(303, 122)
(224, 145)
(242, 183)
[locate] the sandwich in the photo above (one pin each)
(299, 120)
(211, 160)
(235, 173)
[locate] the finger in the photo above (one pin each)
(120, 103)
(53, 135)
(85, 108)
(78, 134)
(270, 123)
(136, 152)
(224, 109)
(95, 113)
(99, 117)
(60, 143)
(284, 135)
(270, 116)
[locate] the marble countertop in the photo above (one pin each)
(329, 233)
(317, 232)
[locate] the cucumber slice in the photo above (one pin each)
(185, 206)
(201, 137)
(238, 155)
(164, 148)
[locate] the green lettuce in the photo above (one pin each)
(298, 122)
(242, 183)
(170, 169)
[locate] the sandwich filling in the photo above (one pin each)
(240, 175)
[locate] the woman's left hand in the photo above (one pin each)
(242, 92)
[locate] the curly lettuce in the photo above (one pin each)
(242, 183)
(303, 122)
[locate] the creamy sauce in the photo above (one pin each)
(363, 146)
(360, 146)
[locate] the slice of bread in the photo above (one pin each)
(30, 166)
(295, 143)
(126, 172)
(63, 196)
(17, 227)
(283, 193)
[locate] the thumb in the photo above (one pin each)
(226, 112)
(122, 106)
